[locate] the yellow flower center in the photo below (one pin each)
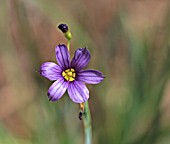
(69, 74)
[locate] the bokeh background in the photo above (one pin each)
(129, 41)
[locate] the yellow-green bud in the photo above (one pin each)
(65, 30)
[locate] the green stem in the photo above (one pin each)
(68, 45)
(87, 124)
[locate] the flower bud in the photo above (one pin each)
(65, 30)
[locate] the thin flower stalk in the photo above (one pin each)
(87, 124)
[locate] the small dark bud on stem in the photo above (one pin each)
(63, 28)
(81, 115)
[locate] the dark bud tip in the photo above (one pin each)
(63, 28)
(80, 115)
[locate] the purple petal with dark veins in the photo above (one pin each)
(81, 58)
(63, 56)
(57, 89)
(50, 70)
(90, 76)
(78, 92)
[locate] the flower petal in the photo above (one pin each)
(50, 70)
(90, 76)
(81, 58)
(78, 92)
(57, 89)
(63, 56)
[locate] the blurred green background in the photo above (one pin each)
(129, 42)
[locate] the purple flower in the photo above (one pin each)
(68, 75)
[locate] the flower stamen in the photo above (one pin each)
(69, 74)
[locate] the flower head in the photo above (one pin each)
(68, 75)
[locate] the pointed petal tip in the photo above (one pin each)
(102, 76)
(50, 99)
(39, 71)
(90, 76)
